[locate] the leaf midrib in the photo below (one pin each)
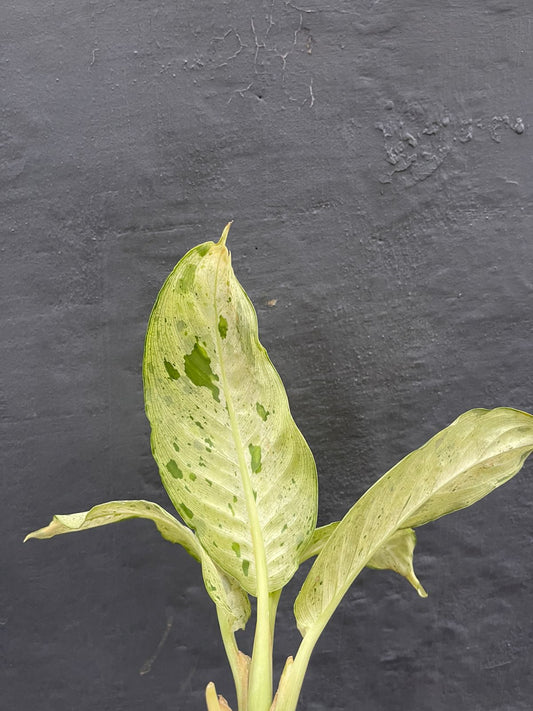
(258, 545)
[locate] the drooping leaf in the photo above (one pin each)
(223, 590)
(232, 460)
(395, 554)
(478, 452)
(112, 512)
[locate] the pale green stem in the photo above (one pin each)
(232, 652)
(260, 702)
(289, 692)
(260, 683)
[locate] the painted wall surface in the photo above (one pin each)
(377, 160)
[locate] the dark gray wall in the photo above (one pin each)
(377, 160)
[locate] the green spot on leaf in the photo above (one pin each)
(245, 566)
(222, 326)
(192, 476)
(174, 469)
(230, 507)
(236, 547)
(176, 446)
(255, 457)
(203, 249)
(186, 512)
(172, 372)
(198, 370)
(261, 411)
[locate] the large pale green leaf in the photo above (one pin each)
(478, 452)
(232, 460)
(395, 554)
(225, 592)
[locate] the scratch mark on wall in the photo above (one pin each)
(270, 55)
(147, 666)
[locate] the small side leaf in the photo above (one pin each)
(477, 453)
(395, 554)
(113, 512)
(225, 592)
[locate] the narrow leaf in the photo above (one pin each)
(223, 590)
(230, 456)
(395, 554)
(478, 452)
(112, 512)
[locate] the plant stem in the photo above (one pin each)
(238, 662)
(291, 685)
(260, 683)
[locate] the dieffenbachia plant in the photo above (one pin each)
(243, 480)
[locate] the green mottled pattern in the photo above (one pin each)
(172, 372)
(222, 326)
(478, 452)
(255, 458)
(263, 414)
(226, 421)
(198, 370)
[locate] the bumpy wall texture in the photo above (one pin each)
(376, 159)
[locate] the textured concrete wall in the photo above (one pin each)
(377, 160)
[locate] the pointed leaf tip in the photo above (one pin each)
(421, 590)
(224, 235)
(253, 511)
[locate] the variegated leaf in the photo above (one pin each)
(233, 462)
(478, 452)
(395, 554)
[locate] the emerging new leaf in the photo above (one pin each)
(230, 456)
